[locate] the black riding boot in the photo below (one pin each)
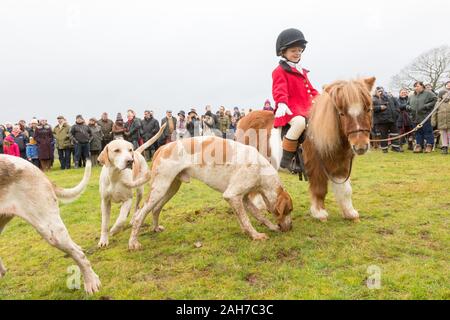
(288, 160)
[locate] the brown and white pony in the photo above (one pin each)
(338, 128)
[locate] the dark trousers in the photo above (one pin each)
(104, 143)
(407, 138)
(81, 151)
(388, 130)
(64, 158)
(425, 133)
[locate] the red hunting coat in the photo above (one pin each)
(293, 89)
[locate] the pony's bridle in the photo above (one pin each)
(357, 131)
(340, 114)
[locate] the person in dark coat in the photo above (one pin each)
(169, 134)
(96, 141)
(21, 140)
(404, 122)
(193, 123)
(385, 119)
(2, 137)
(32, 128)
(81, 137)
(106, 124)
(150, 127)
(118, 129)
(133, 129)
(44, 139)
(421, 103)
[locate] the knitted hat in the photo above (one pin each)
(267, 102)
(79, 117)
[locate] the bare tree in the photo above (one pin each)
(431, 67)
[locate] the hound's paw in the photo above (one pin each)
(158, 229)
(103, 243)
(321, 214)
(92, 286)
(273, 227)
(351, 215)
(134, 246)
(260, 236)
(2, 273)
(115, 230)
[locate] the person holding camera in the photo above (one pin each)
(193, 123)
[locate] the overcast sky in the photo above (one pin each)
(69, 57)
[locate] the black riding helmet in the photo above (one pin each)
(290, 38)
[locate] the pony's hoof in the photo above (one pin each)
(352, 215)
(321, 215)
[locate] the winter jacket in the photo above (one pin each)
(292, 88)
(150, 128)
(404, 119)
(97, 138)
(388, 115)
(12, 149)
(224, 123)
(80, 133)
(32, 151)
(44, 138)
(133, 130)
(421, 105)
(21, 141)
(441, 119)
(2, 137)
(193, 127)
(62, 136)
(106, 129)
(167, 132)
(118, 131)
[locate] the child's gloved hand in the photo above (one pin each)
(282, 110)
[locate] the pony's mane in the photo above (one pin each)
(323, 126)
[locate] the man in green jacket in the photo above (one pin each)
(63, 144)
(421, 103)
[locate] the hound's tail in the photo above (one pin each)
(152, 140)
(72, 194)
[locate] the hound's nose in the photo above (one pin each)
(129, 164)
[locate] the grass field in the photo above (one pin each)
(403, 199)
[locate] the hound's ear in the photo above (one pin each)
(369, 82)
(103, 158)
(136, 165)
(284, 204)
